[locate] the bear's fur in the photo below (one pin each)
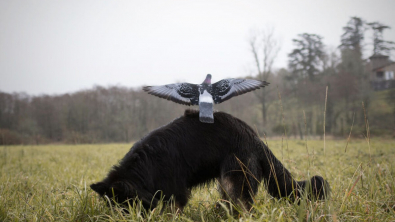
(187, 153)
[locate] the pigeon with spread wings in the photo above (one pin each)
(205, 94)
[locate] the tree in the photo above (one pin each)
(46, 110)
(353, 35)
(305, 60)
(352, 83)
(391, 100)
(264, 48)
(380, 46)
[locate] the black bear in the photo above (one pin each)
(187, 153)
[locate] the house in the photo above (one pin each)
(382, 72)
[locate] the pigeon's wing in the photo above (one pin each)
(228, 88)
(183, 93)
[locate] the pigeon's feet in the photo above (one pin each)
(204, 119)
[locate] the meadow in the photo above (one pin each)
(51, 183)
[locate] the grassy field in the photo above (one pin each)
(51, 183)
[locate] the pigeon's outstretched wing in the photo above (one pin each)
(228, 88)
(183, 93)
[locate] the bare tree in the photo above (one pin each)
(264, 47)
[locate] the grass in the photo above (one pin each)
(51, 183)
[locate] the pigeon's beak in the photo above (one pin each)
(208, 79)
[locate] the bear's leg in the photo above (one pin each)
(239, 181)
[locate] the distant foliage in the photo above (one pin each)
(353, 35)
(380, 46)
(112, 114)
(306, 59)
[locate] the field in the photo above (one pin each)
(51, 183)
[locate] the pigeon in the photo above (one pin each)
(205, 94)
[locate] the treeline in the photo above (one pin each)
(320, 90)
(100, 114)
(119, 114)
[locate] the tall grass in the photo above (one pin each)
(51, 183)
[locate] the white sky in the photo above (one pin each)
(49, 46)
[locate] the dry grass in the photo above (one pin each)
(51, 183)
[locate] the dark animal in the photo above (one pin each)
(205, 94)
(187, 153)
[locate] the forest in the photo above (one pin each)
(323, 91)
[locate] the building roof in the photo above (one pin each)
(380, 67)
(380, 61)
(374, 56)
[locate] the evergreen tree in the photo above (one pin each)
(380, 46)
(353, 35)
(305, 60)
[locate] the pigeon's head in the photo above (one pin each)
(208, 79)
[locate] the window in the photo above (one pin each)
(380, 74)
(389, 75)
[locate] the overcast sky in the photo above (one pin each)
(52, 47)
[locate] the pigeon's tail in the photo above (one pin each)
(206, 112)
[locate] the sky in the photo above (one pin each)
(55, 47)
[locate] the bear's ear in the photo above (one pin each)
(100, 188)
